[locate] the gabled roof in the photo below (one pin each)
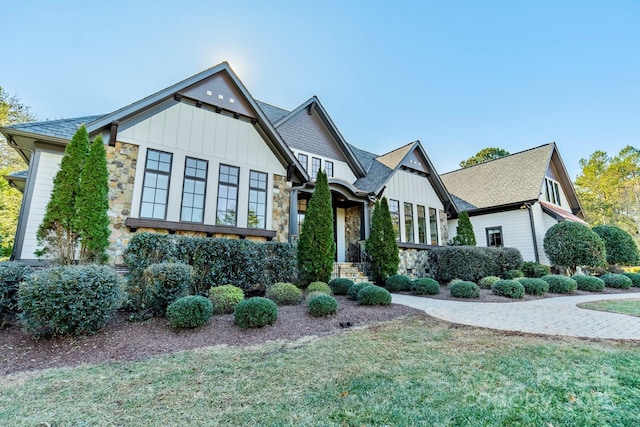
(273, 113)
(63, 128)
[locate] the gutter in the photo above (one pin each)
(533, 231)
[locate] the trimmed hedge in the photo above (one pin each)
(11, 274)
(588, 283)
(322, 305)
(255, 312)
(464, 289)
(559, 284)
(512, 274)
(69, 300)
(374, 295)
(425, 286)
(486, 282)
(284, 293)
(340, 286)
(534, 269)
(508, 288)
(471, 263)
(189, 312)
(160, 285)
(357, 287)
(397, 282)
(635, 278)
(319, 287)
(619, 281)
(225, 298)
(534, 285)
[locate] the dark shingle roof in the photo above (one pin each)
(273, 113)
(64, 128)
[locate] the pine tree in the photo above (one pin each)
(464, 231)
(316, 247)
(92, 204)
(381, 246)
(58, 230)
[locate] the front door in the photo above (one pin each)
(340, 237)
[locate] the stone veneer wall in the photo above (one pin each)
(352, 233)
(414, 263)
(444, 228)
(281, 202)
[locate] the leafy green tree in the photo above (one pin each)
(92, 205)
(10, 199)
(381, 246)
(570, 244)
(464, 231)
(484, 155)
(316, 247)
(621, 249)
(12, 111)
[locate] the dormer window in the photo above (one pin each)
(552, 191)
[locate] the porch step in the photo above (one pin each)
(347, 270)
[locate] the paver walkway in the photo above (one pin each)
(549, 316)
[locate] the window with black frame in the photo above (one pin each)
(494, 237)
(155, 188)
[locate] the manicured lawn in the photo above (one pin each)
(407, 372)
(626, 306)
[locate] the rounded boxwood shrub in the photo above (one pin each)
(161, 285)
(340, 286)
(312, 295)
(69, 300)
(397, 282)
(11, 274)
(508, 288)
(189, 312)
(486, 282)
(464, 289)
(454, 281)
(534, 269)
(619, 281)
(425, 286)
(319, 287)
(322, 305)
(559, 284)
(284, 293)
(512, 274)
(588, 283)
(534, 286)
(225, 298)
(255, 312)
(621, 249)
(635, 278)
(374, 295)
(571, 244)
(357, 287)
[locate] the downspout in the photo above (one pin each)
(533, 232)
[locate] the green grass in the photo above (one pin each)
(625, 306)
(407, 372)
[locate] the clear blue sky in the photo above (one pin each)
(459, 76)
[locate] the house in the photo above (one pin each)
(514, 200)
(203, 157)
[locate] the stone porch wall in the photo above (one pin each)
(414, 263)
(352, 233)
(281, 202)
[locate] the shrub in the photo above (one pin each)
(425, 286)
(381, 246)
(284, 293)
(486, 282)
(255, 312)
(635, 278)
(534, 269)
(559, 284)
(312, 295)
(570, 244)
(161, 285)
(588, 283)
(357, 287)
(189, 312)
(454, 281)
(618, 281)
(374, 295)
(465, 289)
(508, 288)
(512, 274)
(464, 231)
(68, 300)
(225, 298)
(11, 274)
(397, 282)
(471, 263)
(534, 285)
(620, 247)
(340, 286)
(322, 305)
(319, 287)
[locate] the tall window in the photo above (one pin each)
(227, 209)
(302, 210)
(552, 191)
(193, 190)
(257, 199)
(408, 222)
(422, 225)
(304, 161)
(433, 226)
(328, 166)
(315, 166)
(494, 236)
(155, 189)
(394, 210)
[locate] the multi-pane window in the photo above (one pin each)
(494, 236)
(433, 226)
(155, 189)
(315, 166)
(227, 208)
(408, 222)
(302, 210)
(193, 190)
(328, 168)
(394, 210)
(422, 225)
(552, 191)
(257, 199)
(304, 161)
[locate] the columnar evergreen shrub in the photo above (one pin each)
(161, 285)
(397, 282)
(486, 282)
(620, 247)
(319, 287)
(464, 231)
(316, 246)
(464, 289)
(68, 300)
(322, 305)
(512, 274)
(588, 283)
(284, 293)
(189, 312)
(255, 312)
(381, 246)
(340, 286)
(225, 298)
(570, 244)
(471, 263)
(635, 278)
(619, 281)
(534, 285)
(425, 286)
(357, 287)
(559, 284)
(508, 288)
(11, 274)
(534, 269)
(374, 295)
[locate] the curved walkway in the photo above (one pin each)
(548, 316)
